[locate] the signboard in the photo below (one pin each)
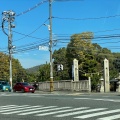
(43, 48)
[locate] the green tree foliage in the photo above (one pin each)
(90, 58)
(59, 57)
(43, 73)
(79, 44)
(81, 48)
(18, 73)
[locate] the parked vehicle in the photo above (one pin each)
(23, 87)
(5, 86)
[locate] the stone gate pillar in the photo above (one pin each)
(106, 76)
(89, 83)
(102, 85)
(75, 70)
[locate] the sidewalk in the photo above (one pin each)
(76, 93)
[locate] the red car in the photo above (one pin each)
(23, 87)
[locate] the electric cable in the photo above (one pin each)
(104, 17)
(28, 35)
(26, 11)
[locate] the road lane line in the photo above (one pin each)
(9, 107)
(1, 107)
(97, 114)
(31, 108)
(79, 112)
(13, 109)
(107, 100)
(50, 113)
(43, 111)
(113, 117)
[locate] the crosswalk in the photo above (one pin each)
(62, 112)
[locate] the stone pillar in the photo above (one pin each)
(106, 76)
(75, 70)
(89, 84)
(102, 85)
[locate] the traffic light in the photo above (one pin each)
(59, 67)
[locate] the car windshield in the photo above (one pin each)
(5, 83)
(25, 84)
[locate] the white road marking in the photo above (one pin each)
(43, 110)
(15, 108)
(7, 106)
(97, 114)
(10, 107)
(107, 100)
(21, 94)
(32, 108)
(80, 112)
(113, 117)
(50, 113)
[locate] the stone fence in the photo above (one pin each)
(82, 85)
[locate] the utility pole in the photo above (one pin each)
(8, 16)
(10, 50)
(50, 45)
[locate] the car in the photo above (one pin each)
(5, 86)
(23, 87)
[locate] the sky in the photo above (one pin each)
(102, 17)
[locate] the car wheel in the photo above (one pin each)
(9, 90)
(22, 90)
(33, 92)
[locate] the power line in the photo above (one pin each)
(63, 40)
(26, 11)
(30, 47)
(107, 30)
(32, 31)
(26, 36)
(96, 37)
(37, 42)
(26, 46)
(88, 18)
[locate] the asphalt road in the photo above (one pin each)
(37, 106)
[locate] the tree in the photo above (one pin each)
(59, 57)
(18, 72)
(90, 58)
(44, 73)
(80, 47)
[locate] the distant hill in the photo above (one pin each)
(33, 69)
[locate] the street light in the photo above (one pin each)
(8, 16)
